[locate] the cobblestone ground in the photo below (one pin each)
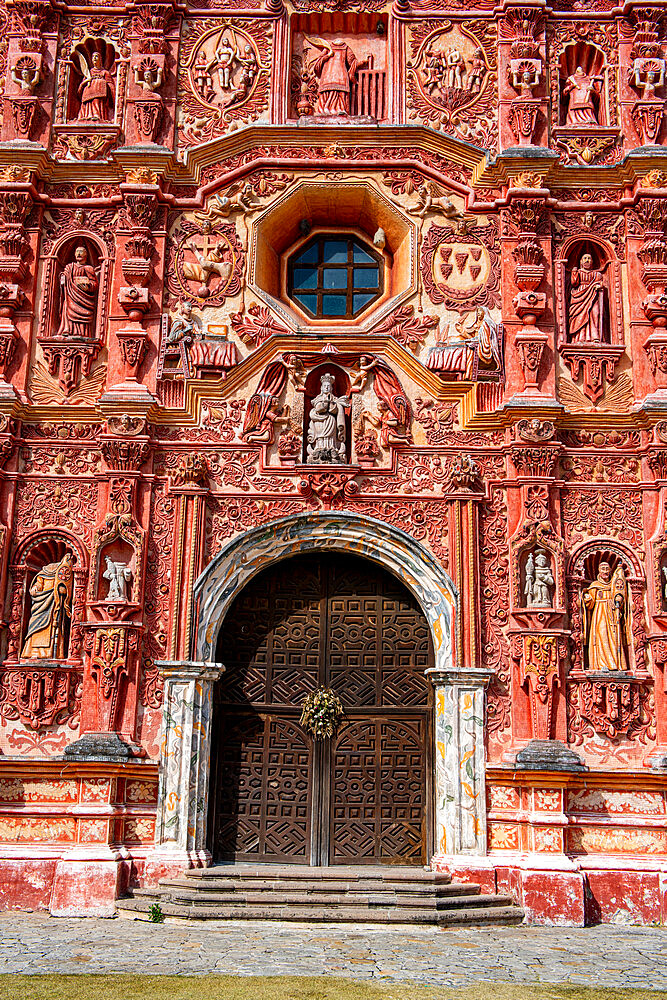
(597, 956)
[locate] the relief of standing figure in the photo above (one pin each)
(79, 286)
(97, 91)
(336, 70)
(586, 302)
(606, 620)
(326, 424)
(50, 612)
(580, 87)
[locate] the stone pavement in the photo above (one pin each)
(596, 956)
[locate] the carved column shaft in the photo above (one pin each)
(186, 746)
(460, 820)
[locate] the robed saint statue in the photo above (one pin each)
(606, 620)
(50, 612)
(79, 287)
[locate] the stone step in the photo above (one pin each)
(385, 873)
(137, 909)
(293, 892)
(284, 898)
(229, 884)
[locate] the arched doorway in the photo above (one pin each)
(323, 619)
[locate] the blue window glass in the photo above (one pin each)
(335, 277)
(360, 302)
(334, 305)
(309, 302)
(360, 256)
(334, 251)
(309, 256)
(305, 277)
(366, 277)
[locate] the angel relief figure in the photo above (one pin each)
(97, 90)
(264, 412)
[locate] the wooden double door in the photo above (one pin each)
(361, 797)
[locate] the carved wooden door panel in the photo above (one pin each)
(361, 797)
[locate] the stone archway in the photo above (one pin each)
(459, 808)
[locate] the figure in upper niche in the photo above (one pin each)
(586, 302)
(539, 581)
(119, 575)
(97, 91)
(581, 108)
(336, 70)
(326, 424)
(51, 611)
(606, 624)
(78, 306)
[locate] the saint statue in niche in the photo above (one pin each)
(78, 307)
(96, 91)
(119, 575)
(336, 70)
(539, 581)
(606, 623)
(580, 88)
(51, 611)
(326, 424)
(586, 302)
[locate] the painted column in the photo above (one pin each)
(460, 786)
(186, 748)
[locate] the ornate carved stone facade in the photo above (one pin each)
(391, 281)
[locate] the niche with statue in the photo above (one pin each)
(537, 574)
(117, 567)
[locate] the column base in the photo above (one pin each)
(103, 746)
(86, 883)
(548, 755)
(165, 863)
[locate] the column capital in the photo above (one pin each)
(190, 670)
(461, 676)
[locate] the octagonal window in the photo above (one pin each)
(334, 276)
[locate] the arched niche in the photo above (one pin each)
(584, 55)
(604, 260)
(53, 262)
(582, 570)
(98, 52)
(37, 551)
(313, 388)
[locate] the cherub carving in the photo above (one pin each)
(149, 77)
(26, 75)
(238, 198)
(431, 200)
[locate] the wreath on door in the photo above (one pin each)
(321, 713)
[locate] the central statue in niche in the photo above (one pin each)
(326, 424)
(336, 70)
(79, 287)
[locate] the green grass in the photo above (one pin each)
(122, 987)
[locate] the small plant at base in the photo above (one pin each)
(155, 914)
